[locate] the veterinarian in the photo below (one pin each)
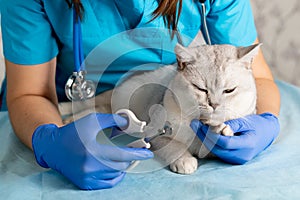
(38, 48)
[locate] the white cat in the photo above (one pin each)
(211, 83)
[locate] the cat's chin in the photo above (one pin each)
(212, 119)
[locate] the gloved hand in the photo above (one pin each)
(73, 151)
(253, 134)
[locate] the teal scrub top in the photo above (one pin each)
(119, 36)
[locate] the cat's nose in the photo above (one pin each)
(214, 105)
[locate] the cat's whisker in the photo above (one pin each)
(191, 111)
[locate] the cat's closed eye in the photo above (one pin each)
(227, 91)
(199, 88)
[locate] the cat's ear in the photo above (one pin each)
(184, 56)
(247, 54)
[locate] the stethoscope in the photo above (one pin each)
(77, 88)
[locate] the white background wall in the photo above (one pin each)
(278, 26)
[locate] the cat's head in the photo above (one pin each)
(220, 79)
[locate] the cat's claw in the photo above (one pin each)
(184, 165)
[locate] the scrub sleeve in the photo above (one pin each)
(27, 35)
(231, 22)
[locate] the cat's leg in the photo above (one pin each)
(174, 153)
(78, 115)
(186, 164)
(71, 111)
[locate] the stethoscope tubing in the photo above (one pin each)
(77, 44)
(77, 88)
(204, 25)
(206, 33)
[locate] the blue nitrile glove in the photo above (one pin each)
(73, 151)
(253, 134)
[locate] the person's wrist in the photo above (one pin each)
(268, 114)
(273, 119)
(41, 137)
(273, 126)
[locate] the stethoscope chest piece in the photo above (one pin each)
(78, 88)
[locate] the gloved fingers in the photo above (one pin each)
(210, 144)
(111, 166)
(110, 120)
(116, 132)
(236, 125)
(101, 120)
(196, 125)
(89, 126)
(209, 138)
(93, 184)
(241, 124)
(224, 142)
(95, 122)
(119, 154)
(233, 156)
(127, 154)
(202, 131)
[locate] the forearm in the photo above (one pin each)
(31, 97)
(28, 112)
(268, 97)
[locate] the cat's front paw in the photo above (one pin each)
(222, 129)
(184, 165)
(227, 131)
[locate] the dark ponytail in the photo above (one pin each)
(166, 8)
(79, 9)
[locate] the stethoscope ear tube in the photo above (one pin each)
(204, 25)
(203, 15)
